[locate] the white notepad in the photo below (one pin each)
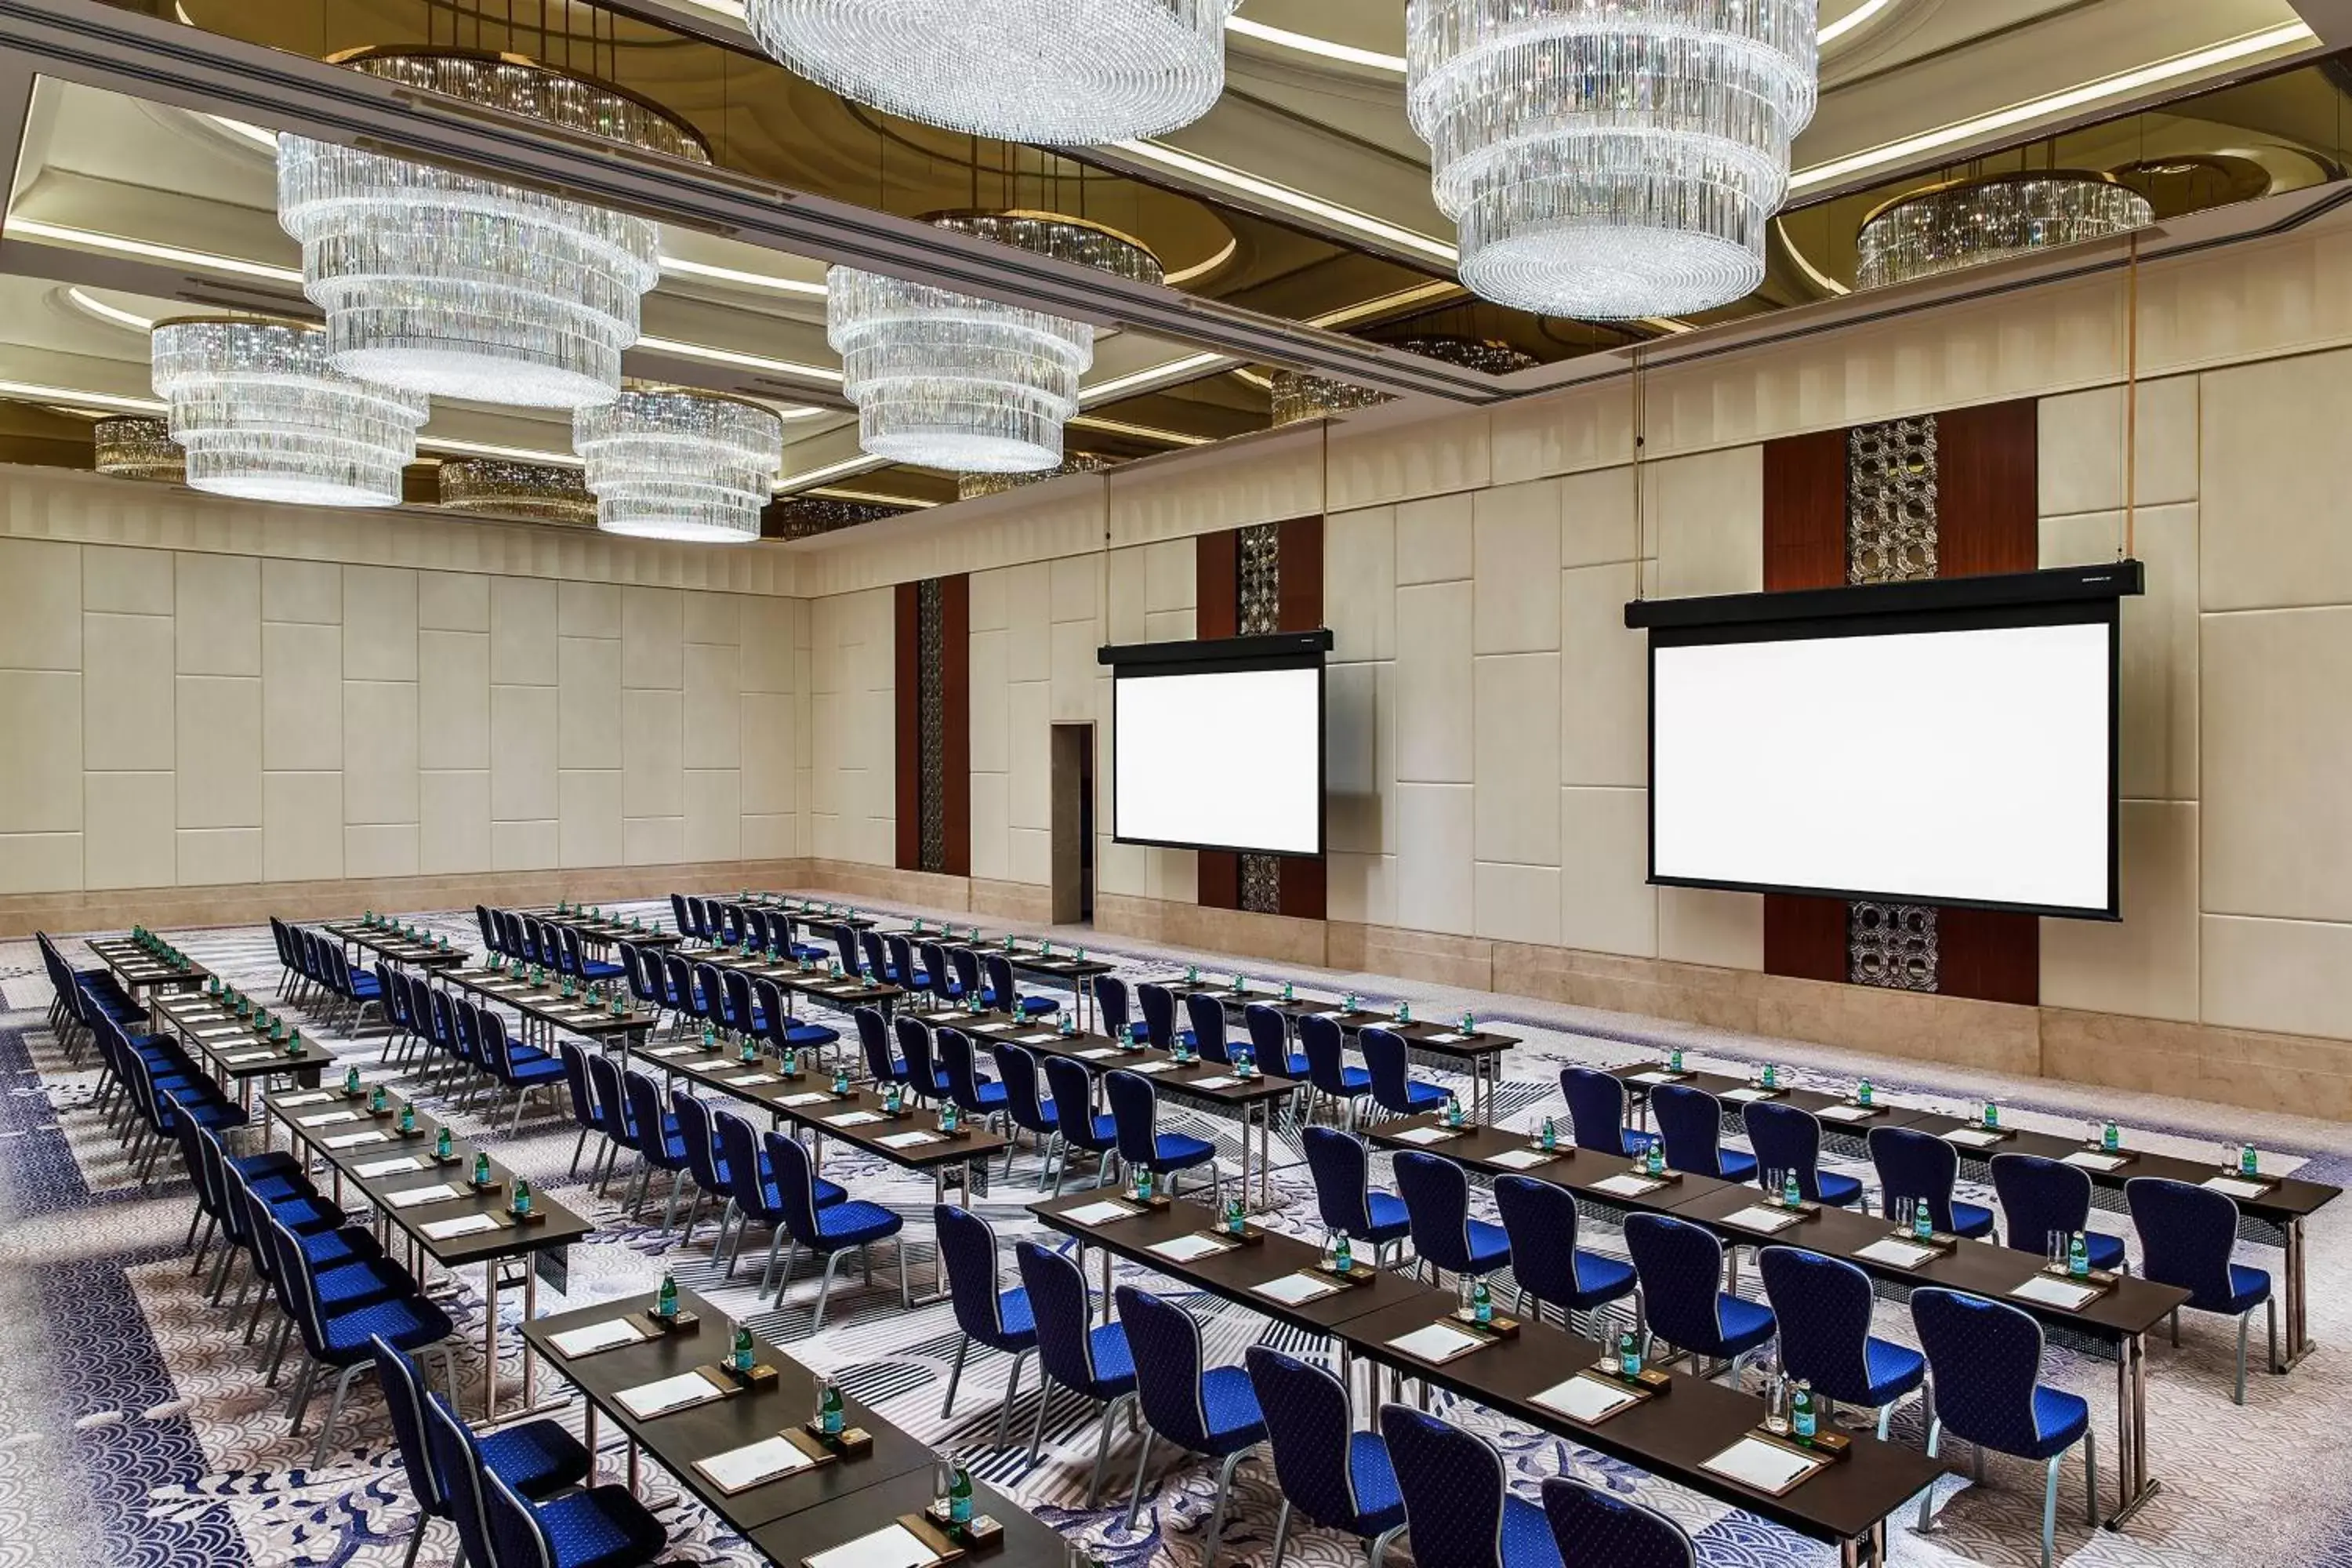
(2231, 1186)
(751, 1080)
(226, 1032)
(1296, 1290)
(1426, 1135)
(666, 1052)
(1221, 1080)
(992, 1028)
(356, 1140)
(1972, 1137)
(852, 1119)
(810, 1097)
(597, 1337)
(1099, 1054)
(1763, 1217)
(1767, 1466)
(1334, 1013)
(1626, 1185)
(2051, 1291)
(399, 1167)
(740, 1470)
(1896, 1254)
(1448, 1038)
(949, 1016)
(1186, 1249)
(464, 1225)
(1586, 1399)
(1147, 1068)
(1522, 1158)
(892, 1546)
(330, 1117)
(2095, 1160)
(1745, 1095)
(648, 1400)
(313, 1098)
(914, 1139)
(1042, 1037)
(413, 1197)
(1438, 1343)
(243, 1056)
(1104, 1213)
(1847, 1112)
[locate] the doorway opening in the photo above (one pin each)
(1073, 824)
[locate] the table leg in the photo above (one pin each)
(490, 1340)
(1264, 1155)
(530, 1310)
(633, 1479)
(1864, 1549)
(588, 1432)
(2298, 1323)
(2134, 1486)
(1106, 1280)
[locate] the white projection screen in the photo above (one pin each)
(1219, 758)
(1963, 759)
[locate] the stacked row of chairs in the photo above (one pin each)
(475, 1050)
(151, 1087)
(312, 968)
(78, 997)
(711, 922)
(691, 991)
(510, 933)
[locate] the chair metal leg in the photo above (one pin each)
(2245, 1321)
(824, 1293)
(1012, 1392)
(2050, 1509)
(1135, 1495)
(1927, 1497)
(1102, 1443)
(1281, 1533)
(334, 1411)
(1380, 1545)
(2091, 1476)
(1037, 1432)
(2271, 1302)
(416, 1540)
(955, 1375)
(1217, 1517)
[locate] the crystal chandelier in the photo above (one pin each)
(1966, 223)
(805, 516)
(970, 487)
(1054, 72)
(500, 487)
(1609, 158)
(134, 446)
(948, 381)
(1298, 396)
(672, 463)
(264, 415)
(443, 284)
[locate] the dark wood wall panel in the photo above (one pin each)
(1217, 613)
(955, 690)
(1804, 511)
(905, 629)
(1805, 938)
(1990, 955)
(1988, 489)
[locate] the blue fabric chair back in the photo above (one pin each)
(1986, 1360)
(1341, 1169)
(1059, 1303)
(1074, 1097)
(683, 916)
(1823, 1305)
(1595, 1528)
(469, 1018)
(491, 939)
(874, 1039)
(442, 1009)
(1384, 1056)
(1786, 1138)
(1207, 1014)
(614, 1119)
(1680, 1269)
(1135, 1112)
(458, 1460)
(919, 1047)
(968, 1246)
(904, 970)
(878, 957)
(677, 975)
(1159, 1005)
(1596, 1108)
(966, 963)
(1166, 1343)
(641, 984)
(575, 1080)
(2186, 1235)
(1309, 1425)
(1916, 1165)
(1454, 1485)
(1691, 1122)
(1325, 1045)
(942, 974)
(1540, 1220)
(844, 943)
(1436, 1195)
(963, 1073)
(1000, 989)
(797, 1184)
(711, 989)
(1110, 1004)
(394, 995)
(2038, 1196)
(694, 1127)
(1016, 1069)
(1269, 1034)
(516, 1533)
(768, 1012)
(740, 1012)
(404, 1397)
(644, 1099)
(739, 1153)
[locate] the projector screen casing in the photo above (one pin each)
(1175, 756)
(1856, 700)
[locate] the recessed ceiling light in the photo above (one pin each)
(1282, 195)
(33, 392)
(1307, 44)
(123, 244)
(729, 356)
(1851, 20)
(682, 267)
(86, 300)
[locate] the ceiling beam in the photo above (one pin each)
(116, 50)
(2331, 19)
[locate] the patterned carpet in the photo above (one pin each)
(135, 1429)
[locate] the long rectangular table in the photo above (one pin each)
(1846, 1503)
(546, 1011)
(603, 932)
(238, 1052)
(394, 948)
(137, 970)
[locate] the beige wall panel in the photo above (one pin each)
(126, 694)
(453, 821)
(302, 826)
(522, 632)
(653, 637)
(1568, 431)
(989, 601)
(1171, 571)
(992, 831)
(309, 591)
(1517, 534)
(768, 767)
(2157, 745)
(1261, 481)
(588, 818)
(715, 619)
(1606, 903)
(522, 753)
(217, 599)
(1370, 465)
(767, 647)
(1029, 707)
(121, 581)
(714, 717)
(40, 862)
(588, 609)
(1597, 518)
(588, 703)
(2144, 966)
(381, 850)
(992, 716)
(450, 601)
(1074, 669)
(1709, 518)
(1518, 903)
(2081, 447)
(218, 726)
(1604, 675)
(714, 814)
(301, 696)
(1127, 589)
(1435, 731)
(383, 613)
(1436, 540)
(1360, 584)
(1029, 855)
(380, 751)
(524, 846)
(130, 841)
(1699, 925)
(653, 757)
(1355, 767)
(769, 837)
(2292, 976)
(211, 856)
(1515, 698)
(40, 605)
(453, 699)
(1123, 868)
(1030, 655)
(1436, 829)
(1169, 626)
(1076, 582)
(1175, 874)
(1363, 888)
(2275, 749)
(2277, 519)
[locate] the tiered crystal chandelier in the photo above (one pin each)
(501, 487)
(456, 287)
(1610, 159)
(1966, 223)
(947, 381)
(135, 446)
(1055, 72)
(264, 415)
(672, 463)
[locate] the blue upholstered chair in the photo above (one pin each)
(703, 1163)
(1985, 1358)
(1269, 1035)
(944, 984)
(1077, 1126)
(973, 1095)
(1691, 1122)
(752, 1191)
(1026, 1104)
(1788, 1138)
(1206, 1011)
(603, 1527)
(1341, 1166)
(1459, 1507)
(661, 1146)
(567, 947)
(2039, 1197)
(874, 1041)
(1135, 1115)
(877, 953)
(1823, 1306)
(1340, 1478)
(1683, 1298)
(905, 970)
(1203, 1410)
(1596, 1110)
(583, 1092)
(916, 1043)
(1540, 1223)
(341, 1335)
(845, 945)
(781, 1029)
(1925, 1168)
(1436, 1194)
(2186, 1237)
(830, 1231)
(966, 964)
(1159, 1005)
(1090, 1360)
(998, 991)
(538, 1458)
(522, 1068)
(989, 1315)
(1595, 1528)
(1325, 1045)
(1394, 1089)
(1111, 1005)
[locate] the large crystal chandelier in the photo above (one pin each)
(135, 446)
(264, 415)
(501, 487)
(1609, 158)
(1966, 223)
(456, 287)
(1056, 72)
(947, 381)
(671, 463)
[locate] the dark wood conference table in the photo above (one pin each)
(1846, 1503)
(546, 1011)
(603, 931)
(797, 1515)
(136, 970)
(238, 1053)
(393, 948)
(465, 1229)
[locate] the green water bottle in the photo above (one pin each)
(1482, 1301)
(442, 1148)
(1549, 1137)
(891, 1103)
(1343, 1255)
(351, 1080)
(1236, 1218)
(745, 1355)
(521, 1202)
(481, 1169)
(2111, 1137)
(2248, 1163)
(948, 1115)
(1655, 1157)
(829, 1414)
(294, 1043)
(2078, 1257)
(407, 1118)
(1404, 1014)
(709, 1038)
(1790, 1194)
(1862, 1092)
(1923, 1220)
(1452, 1110)
(1804, 1420)
(958, 1492)
(1143, 1183)
(1771, 1076)
(1992, 1114)
(749, 1050)
(1629, 1354)
(665, 1299)
(377, 1101)
(841, 1083)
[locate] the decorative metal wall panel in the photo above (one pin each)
(1262, 884)
(931, 720)
(1892, 946)
(1890, 505)
(1259, 583)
